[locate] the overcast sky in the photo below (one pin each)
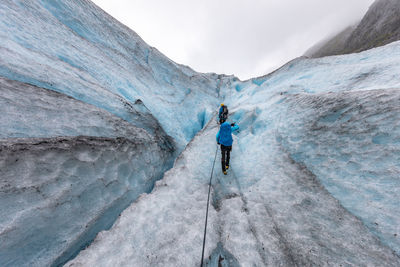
(247, 38)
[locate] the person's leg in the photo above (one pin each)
(223, 153)
(228, 156)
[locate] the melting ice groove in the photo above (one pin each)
(93, 118)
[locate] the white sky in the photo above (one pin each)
(247, 38)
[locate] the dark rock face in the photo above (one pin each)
(380, 26)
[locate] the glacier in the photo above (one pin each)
(99, 61)
(313, 178)
(107, 146)
(89, 111)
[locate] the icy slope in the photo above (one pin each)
(338, 116)
(164, 227)
(48, 185)
(57, 193)
(33, 111)
(100, 116)
(75, 48)
(351, 141)
(314, 167)
(276, 214)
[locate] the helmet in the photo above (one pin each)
(222, 104)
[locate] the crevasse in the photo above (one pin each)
(93, 116)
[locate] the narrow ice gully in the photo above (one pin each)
(93, 116)
(314, 177)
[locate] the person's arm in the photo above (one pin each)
(234, 127)
(217, 138)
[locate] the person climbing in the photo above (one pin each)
(223, 113)
(224, 138)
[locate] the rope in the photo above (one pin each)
(208, 202)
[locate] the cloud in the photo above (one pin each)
(245, 38)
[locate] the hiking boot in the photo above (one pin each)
(226, 167)
(225, 173)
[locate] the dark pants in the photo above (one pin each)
(225, 151)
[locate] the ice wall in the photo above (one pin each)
(75, 48)
(57, 193)
(93, 115)
(75, 82)
(338, 118)
(59, 190)
(351, 141)
(31, 111)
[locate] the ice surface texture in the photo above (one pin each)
(75, 48)
(68, 69)
(166, 226)
(351, 141)
(286, 218)
(30, 111)
(99, 113)
(57, 193)
(276, 207)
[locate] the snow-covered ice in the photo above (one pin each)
(164, 227)
(285, 200)
(351, 141)
(91, 57)
(277, 214)
(30, 111)
(338, 117)
(92, 116)
(79, 82)
(57, 193)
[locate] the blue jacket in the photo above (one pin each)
(224, 135)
